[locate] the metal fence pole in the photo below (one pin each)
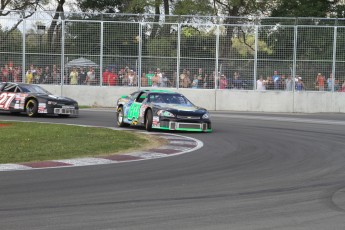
(178, 55)
(256, 56)
(140, 47)
(294, 57)
(217, 57)
(334, 56)
(23, 47)
(101, 55)
(62, 55)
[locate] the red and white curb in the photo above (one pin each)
(176, 145)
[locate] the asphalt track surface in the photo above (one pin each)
(255, 171)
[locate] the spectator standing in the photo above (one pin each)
(289, 83)
(5, 73)
(183, 75)
(149, 76)
(90, 76)
(236, 81)
(165, 80)
(269, 83)
(342, 87)
(320, 82)
(200, 78)
(73, 76)
(195, 82)
(16, 74)
(155, 80)
(260, 84)
(144, 80)
(160, 75)
(82, 76)
(29, 77)
(299, 85)
(55, 77)
(38, 77)
(46, 76)
(276, 79)
(329, 83)
(112, 77)
(132, 78)
(105, 77)
(223, 82)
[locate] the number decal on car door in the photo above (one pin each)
(6, 99)
(133, 113)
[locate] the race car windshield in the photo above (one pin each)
(34, 89)
(170, 99)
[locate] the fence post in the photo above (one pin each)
(101, 55)
(178, 55)
(217, 57)
(140, 53)
(256, 55)
(334, 56)
(23, 47)
(62, 55)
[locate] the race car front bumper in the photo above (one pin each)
(66, 111)
(185, 126)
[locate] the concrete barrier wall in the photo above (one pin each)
(227, 100)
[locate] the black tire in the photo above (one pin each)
(119, 118)
(31, 108)
(148, 120)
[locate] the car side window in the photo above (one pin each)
(134, 95)
(1, 86)
(10, 88)
(141, 97)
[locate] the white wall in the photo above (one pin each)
(227, 100)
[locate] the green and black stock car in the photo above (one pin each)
(161, 109)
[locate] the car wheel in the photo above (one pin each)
(120, 117)
(31, 108)
(148, 120)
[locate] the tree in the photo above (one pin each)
(304, 8)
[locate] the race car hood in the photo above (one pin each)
(53, 97)
(182, 109)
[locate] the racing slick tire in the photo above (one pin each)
(31, 108)
(119, 118)
(148, 120)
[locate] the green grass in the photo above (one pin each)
(26, 142)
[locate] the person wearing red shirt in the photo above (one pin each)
(105, 77)
(112, 77)
(320, 81)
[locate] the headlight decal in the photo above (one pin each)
(164, 113)
(206, 116)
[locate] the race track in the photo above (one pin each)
(255, 171)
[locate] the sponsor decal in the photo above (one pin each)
(42, 108)
(155, 122)
(6, 99)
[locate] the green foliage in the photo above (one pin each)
(303, 8)
(162, 47)
(192, 7)
(113, 6)
(245, 45)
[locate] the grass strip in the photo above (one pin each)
(28, 142)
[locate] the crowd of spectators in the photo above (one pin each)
(198, 79)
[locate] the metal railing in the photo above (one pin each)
(185, 52)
